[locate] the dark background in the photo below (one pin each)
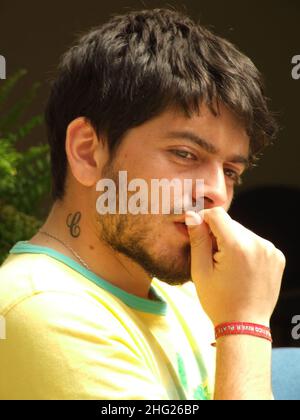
(34, 34)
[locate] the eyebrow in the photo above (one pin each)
(206, 145)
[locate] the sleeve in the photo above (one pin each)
(64, 346)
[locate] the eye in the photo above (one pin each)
(184, 154)
(234, 176)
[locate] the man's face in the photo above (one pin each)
(174, 146)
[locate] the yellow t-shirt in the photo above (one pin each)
(72, 335)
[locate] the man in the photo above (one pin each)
(102, 306)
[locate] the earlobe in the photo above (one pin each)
(82, 152)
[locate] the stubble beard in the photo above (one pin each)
(138, 238)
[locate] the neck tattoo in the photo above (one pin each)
(72, 222)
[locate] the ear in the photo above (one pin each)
(83, 150)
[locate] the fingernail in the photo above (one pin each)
(192, 218)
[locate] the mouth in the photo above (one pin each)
(180, 218)
(182, 228)
(180, 225)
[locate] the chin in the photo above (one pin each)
(174, 266)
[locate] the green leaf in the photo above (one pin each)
(9, 84)
(14, 226)
(29, 126)
(24, 176)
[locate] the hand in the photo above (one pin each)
(237, 274)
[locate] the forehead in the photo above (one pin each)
(225, 131)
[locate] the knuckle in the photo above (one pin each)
(281, 257)
(239, 247)
(268, 247)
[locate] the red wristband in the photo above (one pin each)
(243, 328)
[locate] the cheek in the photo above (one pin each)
(145, 163)
(136, 167)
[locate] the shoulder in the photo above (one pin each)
(44, 290)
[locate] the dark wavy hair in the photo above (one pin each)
(133, 67)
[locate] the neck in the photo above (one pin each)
(74, 228)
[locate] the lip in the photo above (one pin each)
(182, 228)
(180, 219)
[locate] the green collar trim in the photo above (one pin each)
(156, 307)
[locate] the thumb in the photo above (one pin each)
(201, 245)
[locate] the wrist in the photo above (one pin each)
(242, 317)
(245, 346)
(243, 368)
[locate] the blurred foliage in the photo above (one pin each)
(15, 226)
(24, 175)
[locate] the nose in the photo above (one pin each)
(215, 188)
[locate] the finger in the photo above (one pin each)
(201, 245)
(220, 224)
